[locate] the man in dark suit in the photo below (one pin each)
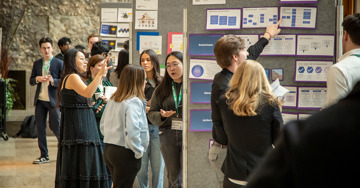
(321, 151)
(64, 44)
(46, 74)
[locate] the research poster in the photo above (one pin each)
(311, 97)
(315, 45)
(147, 20)
(202, 44)
(249, 39)
(259, 17)
(175, 42)
(151, 42)
(200, 92)
(208, 2)
(200, 120)
(147, 4)
(108, 30)
(125, 15)
(298, 17)
(287, 117)
(290, 98)
(203, 69)
(109, 14)
(223, 19)
(281, 45)
(312, 71)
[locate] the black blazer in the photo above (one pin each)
(249, 137)
(321, 151)
(56, 66)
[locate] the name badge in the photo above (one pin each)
(176, 124)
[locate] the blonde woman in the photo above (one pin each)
(125, 128)
(252, 120)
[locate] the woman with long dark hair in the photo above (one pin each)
(123, 60)
(80, 160)
(150, 62)
(166, 112)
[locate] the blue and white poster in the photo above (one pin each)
(108, 30)
(203, 69)
(315, 45)
(202, 44)
(298, 17)
(312, 71)
(200, 92)
(223, 19)
(259, 17)
(200, 120)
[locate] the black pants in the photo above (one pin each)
(122, 164)
(228, 184)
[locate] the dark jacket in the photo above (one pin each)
(55, 68)
(60, 56)
(220, 86)
(249, 137)
(321, 151)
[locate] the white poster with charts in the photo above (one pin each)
(147, 4)
(249, 39)
(311, 97)
(312, 71)
(150, 42)
(298, 17)
(223, 19)
(290, 98)
(315, 45)
(259, 17)
(125, 15)
(146, 20)
(283, 45)
(203, 69)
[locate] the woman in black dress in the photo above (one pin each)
(80, 160)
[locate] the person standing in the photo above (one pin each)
(252, 121)
(166, 112)
(150, 61)
(64, 45)
(125, 129)
(103, 49)
(343, 75)
(229, 52)
(123, 60)
(92, 38)
(45, 75)
(80, 161)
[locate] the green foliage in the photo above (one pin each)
(11, 95)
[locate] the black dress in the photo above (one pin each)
(80, 161)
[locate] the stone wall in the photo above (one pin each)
(41, 18)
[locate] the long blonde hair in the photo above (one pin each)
(249, 89)
(131, 83)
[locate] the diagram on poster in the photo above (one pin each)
(200, 92)
(116, 43)
(123, 30)
(175, 42)
(146, 20)
(200, 120)
(223, 19)
(311, 97)
(287, 117)
(312, 71)
(290, 98)
(259, 17)
(298, 17)
(298, 1)
(124, 15)
(315, 45)
(150, 42)
(281, 45)
(249, 39)
(204, 69)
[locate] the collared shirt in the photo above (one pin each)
(342, 76)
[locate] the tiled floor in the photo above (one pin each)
(16, 168)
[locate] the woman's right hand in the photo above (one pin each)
(166, 113)
(104, 69)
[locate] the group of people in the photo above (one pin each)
(140, 125)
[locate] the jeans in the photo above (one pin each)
(41, 110)
(154, 156)
(217, 156)
(171, 148)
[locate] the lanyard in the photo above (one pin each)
(48, 65)
(177, 103)
(357, 55)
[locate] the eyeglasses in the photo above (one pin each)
(170, 65)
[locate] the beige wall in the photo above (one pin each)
(357, 6)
